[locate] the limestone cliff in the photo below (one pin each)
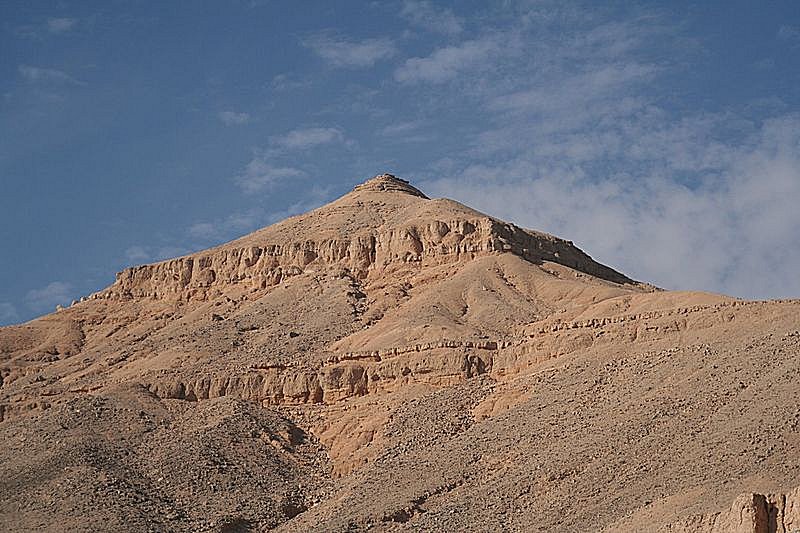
(406, 234)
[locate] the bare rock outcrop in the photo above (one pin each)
(365, 252)
(749, 513)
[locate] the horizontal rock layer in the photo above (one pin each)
(436, 242)
(445, 362)
(272, 385)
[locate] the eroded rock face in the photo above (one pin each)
(263, 266)
(331, 382)
(366, 252)
(749, 513)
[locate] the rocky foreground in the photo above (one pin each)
(390, 362)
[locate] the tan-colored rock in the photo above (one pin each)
(749, 513)
(388, 362)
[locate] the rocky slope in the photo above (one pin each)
(386, 362)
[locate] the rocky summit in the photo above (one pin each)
(392, 362)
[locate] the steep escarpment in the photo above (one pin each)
(412, 234)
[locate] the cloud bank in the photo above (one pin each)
(575, 140)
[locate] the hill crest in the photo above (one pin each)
(382, 223)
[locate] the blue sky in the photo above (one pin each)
(662, 137)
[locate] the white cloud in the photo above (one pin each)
(287, 82)
(579, 136)
(259, 175)
(597, 82)
(425, 15)
(47, 76)
(263, 172)
(46, 298)
(8, 313)
(350, 54)
(51, 26)
(736, 230)
(231, 118)
(447, 63)
(61, 25)
(789, 33)
(399, 128)
(137, 254)
(304, 138)
(412, 131)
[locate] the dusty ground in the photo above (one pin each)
(391, 362)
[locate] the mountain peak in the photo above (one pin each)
(389, 183)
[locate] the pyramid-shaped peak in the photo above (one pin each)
(389, 183)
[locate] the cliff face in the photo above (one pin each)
(262, 266)
(368, 252)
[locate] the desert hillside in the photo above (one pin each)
(392, 362)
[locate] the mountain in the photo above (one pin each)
(391, 362)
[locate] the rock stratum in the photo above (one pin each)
(392, 362)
